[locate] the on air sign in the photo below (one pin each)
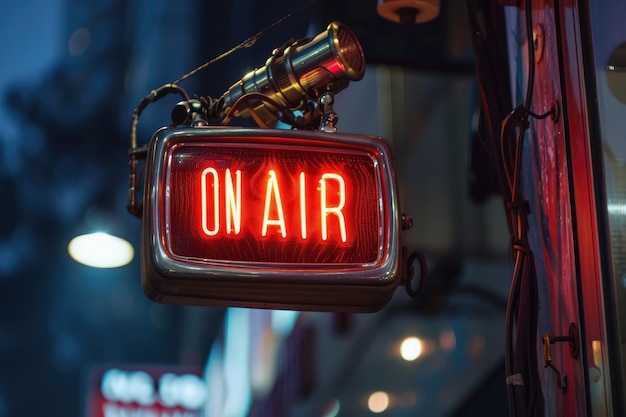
(281, 206)
(270, 218)
(145, 392)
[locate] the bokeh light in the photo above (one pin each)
(378, 401)
(411, 348)
(79, 41)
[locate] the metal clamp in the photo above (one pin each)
(329, 117)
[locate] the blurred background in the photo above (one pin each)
(82, 341)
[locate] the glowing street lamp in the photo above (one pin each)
(101, 250)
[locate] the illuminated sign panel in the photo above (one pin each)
(270, 218)
(288, 205)
(154, 391)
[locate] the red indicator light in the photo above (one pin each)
(288, 205)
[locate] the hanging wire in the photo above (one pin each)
(523, 382)
(155, 95)
(133, 205)
(245, 44)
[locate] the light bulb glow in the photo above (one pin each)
(378, 402)
(101, 250)
(411, 348)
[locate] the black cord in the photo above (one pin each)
(245, 44)
(155, 95)
(523, 382)
(133, 205)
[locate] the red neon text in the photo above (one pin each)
(224, 191)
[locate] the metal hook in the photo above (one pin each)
(549, 340)
(561, 381)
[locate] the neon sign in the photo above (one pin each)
(145, 391)
(270, 218)
(276, 205)
(210, 200)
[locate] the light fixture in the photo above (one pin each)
(100, 246)
(303, 70)
(408, 11)
(101, 250)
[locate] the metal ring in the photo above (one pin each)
(423, 272)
